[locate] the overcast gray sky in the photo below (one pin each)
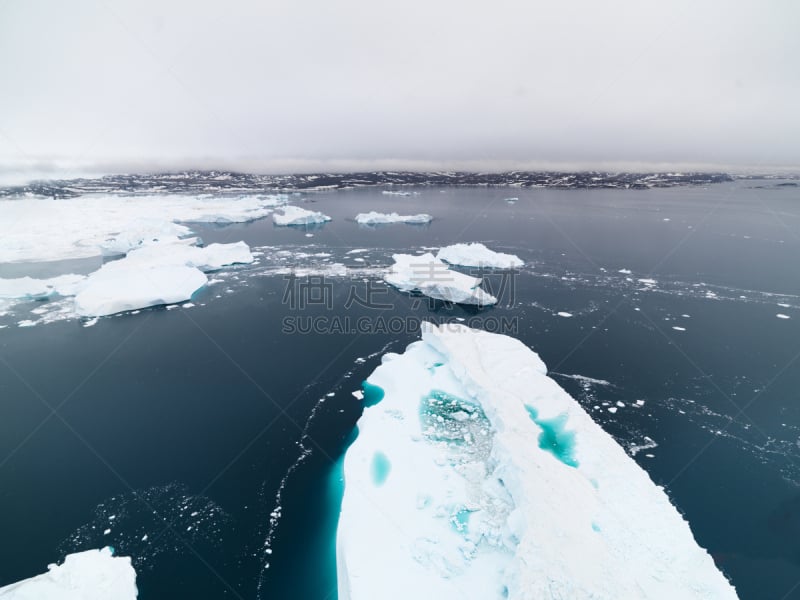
(284, 85)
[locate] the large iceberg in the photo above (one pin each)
(430, 276)
(87, 226)
(376, 218)
(474, 475)
(90, 575)
(154, 274)
(478, 255)
(294, 215)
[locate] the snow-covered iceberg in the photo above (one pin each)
(475, 476)
(377, 218)
(90, 575)
(477, 255)
(154, 274)
(294, 215)
(430, 276)
(47, 230)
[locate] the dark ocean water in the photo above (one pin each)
(186, 425)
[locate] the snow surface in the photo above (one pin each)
(38, 230)
(477, 255)
(294, 215)
(90, 575)
(477, 476)
(376, 218)
(430, 276)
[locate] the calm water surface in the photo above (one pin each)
(195, 439)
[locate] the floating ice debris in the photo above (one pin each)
(477, 255)
(782, 316)
(564, 314)
(625, 271)
(294, 215)
(483, 479)
(430, 276)
(678, 328)
(583, 380)
(90, 575)
(376, 218)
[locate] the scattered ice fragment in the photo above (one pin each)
(625, 271)
(678, 328)
(564, 314)
(612, 409)
(782, 316)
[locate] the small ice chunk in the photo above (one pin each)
(477, 255)
(376, 218)
(782, 316)
(294, 215)
(564, 314)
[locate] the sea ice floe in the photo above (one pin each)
(90, 575)
(376, 218)
(294, 215)
(430, 276)
(481, 478)
(29, 287)
(477, 255)
(47, 230)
